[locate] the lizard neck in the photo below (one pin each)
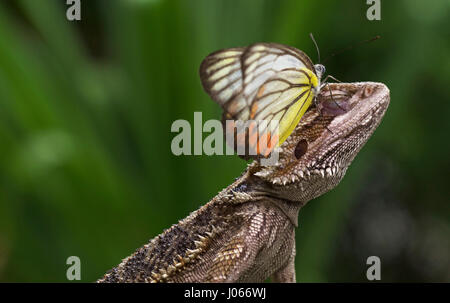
(253, 189)
(289, 208)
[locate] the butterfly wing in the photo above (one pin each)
(263, 82)
(278, 82)
(221, 74)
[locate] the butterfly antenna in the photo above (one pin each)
(351, 46)
(317, 47)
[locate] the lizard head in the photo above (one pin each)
(316, 155)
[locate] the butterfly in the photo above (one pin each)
(266, 87)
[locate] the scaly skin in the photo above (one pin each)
(246, 232)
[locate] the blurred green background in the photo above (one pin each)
(86, 108)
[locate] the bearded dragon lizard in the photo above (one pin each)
(246, 232)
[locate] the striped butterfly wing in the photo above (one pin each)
(221, 75)
(267, 85)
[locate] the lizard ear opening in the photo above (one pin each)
(301, 148)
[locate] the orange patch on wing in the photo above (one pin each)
(253, 110)
(258, 144)
(260, 91)
(266, 144)
(274, 141)
(252, 138)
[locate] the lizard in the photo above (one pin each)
(246, 233)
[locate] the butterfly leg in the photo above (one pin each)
(331, 94)
(332, 78)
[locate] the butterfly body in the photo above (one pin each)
(267, 86)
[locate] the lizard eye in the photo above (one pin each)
(301, 148)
